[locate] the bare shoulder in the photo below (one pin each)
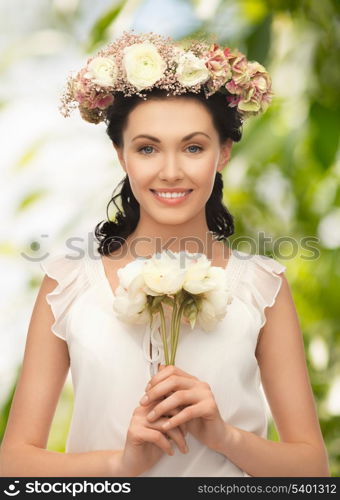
(284, 374)
(44, 369)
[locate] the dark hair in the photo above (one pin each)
(112, 234)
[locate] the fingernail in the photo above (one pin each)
(148, 387)
(151, 414)
(144, 399)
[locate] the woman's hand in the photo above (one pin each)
(200, 413)
(146, 442)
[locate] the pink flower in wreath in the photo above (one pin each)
(87, 96)
(218, 62)
(250, 86)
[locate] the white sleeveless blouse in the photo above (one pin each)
(110, 361)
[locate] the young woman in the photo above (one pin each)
(173, 147)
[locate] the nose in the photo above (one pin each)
(171, 168)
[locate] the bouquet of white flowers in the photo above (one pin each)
(196, 291)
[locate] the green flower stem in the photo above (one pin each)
(173, 325)
(176, 330)
(163, 332)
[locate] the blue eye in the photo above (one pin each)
(144, 147)
(193, 146)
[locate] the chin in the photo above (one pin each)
(174, 220)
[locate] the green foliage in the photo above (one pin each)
(30, 199)
(29, 155)
(98, 33)
(5, 409)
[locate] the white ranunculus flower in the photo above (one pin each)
(213, 308)
(102, 70)
(130, 312)
(219, 299)
(197, 275)
(131, 307)
(202, 276)
(210, 282)
(143, 64)
(206, 317)
(130, 299)
(191, 70)
(129, 272)
(163, 274)
(218, 275)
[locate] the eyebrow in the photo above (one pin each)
(187, 137)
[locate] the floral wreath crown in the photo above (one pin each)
(137, 62)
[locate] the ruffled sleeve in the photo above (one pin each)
(68, 272)
(259, 284)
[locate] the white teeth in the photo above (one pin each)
(171, 195)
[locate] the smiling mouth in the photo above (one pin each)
(171, 195)
(171, 198)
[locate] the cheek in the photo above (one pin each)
(140, 177)
(205, 175)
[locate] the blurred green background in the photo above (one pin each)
(282, 184)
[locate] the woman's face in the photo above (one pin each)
(182, 151)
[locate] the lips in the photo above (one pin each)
(169, 200)
(171, 190)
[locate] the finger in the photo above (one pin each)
(176, 368)
(166, 387)
(157, 438)
(176, 435)
(145, 409)
(187, 414)
(167, 370)
(179, 398)
(183, 427)
(174, 411)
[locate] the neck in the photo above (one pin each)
(145, 244)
